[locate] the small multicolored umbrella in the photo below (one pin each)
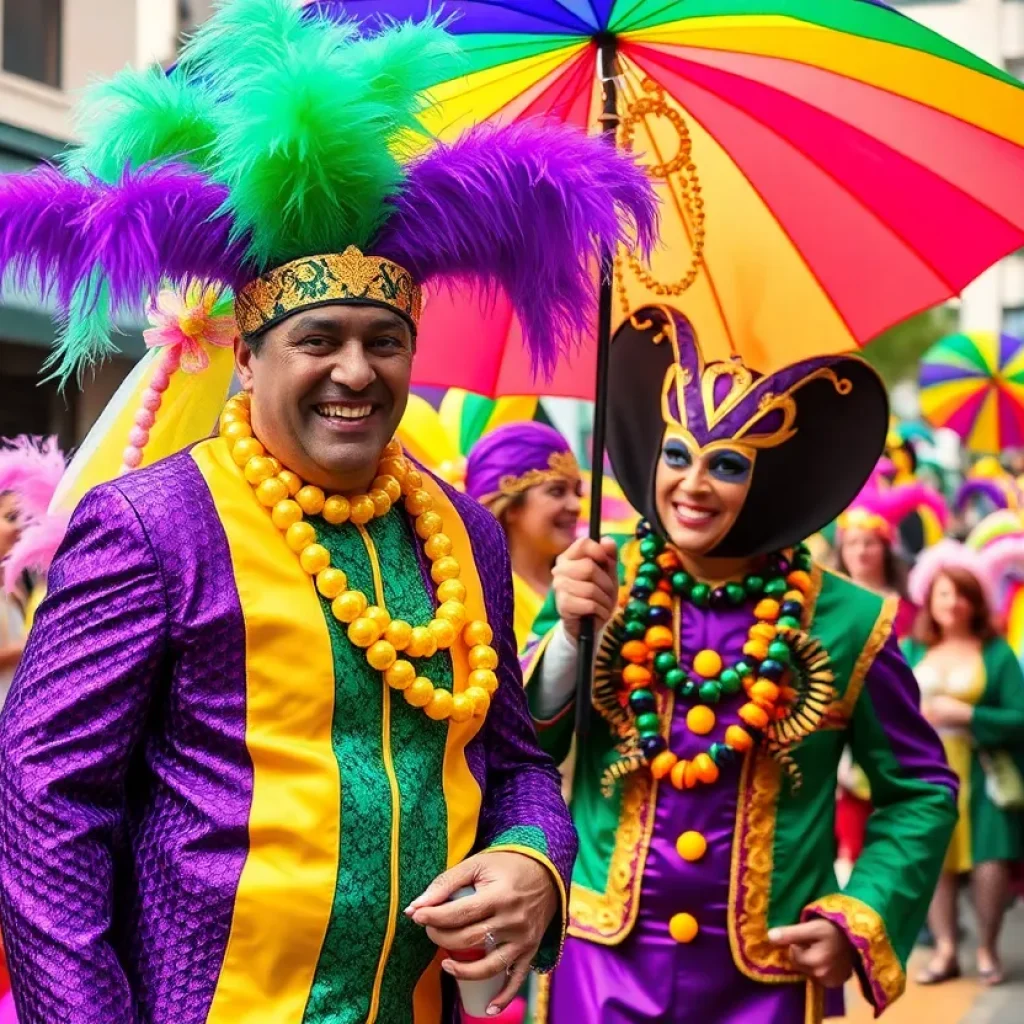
(973, 384)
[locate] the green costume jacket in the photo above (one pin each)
(783, 845)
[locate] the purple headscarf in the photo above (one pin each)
(516, 457)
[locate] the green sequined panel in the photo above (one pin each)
(344, 980)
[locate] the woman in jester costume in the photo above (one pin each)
(731, 673)
(270, 716)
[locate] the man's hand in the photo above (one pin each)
(947, 712)
(585, 581)
(818, 949)
(515, 901)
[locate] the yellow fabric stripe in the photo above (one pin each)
(462, 793)
(287, 885)
(942, 84)
(527, 605)
(426, 997)
(396, 796)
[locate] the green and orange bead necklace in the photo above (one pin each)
(649, 660)
(388, 643)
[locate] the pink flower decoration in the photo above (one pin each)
(186, 324)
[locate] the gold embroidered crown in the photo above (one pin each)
(348, 277)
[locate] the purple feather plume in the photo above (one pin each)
(38, 247)
(155, 224)
(527, 209)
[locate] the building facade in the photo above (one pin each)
(993, 29)
(49, 51)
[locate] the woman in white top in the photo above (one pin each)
(972, 692)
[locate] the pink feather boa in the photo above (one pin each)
(31, 468)
(894, 503)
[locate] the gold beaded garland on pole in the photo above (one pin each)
(383, 639)
(654, 104)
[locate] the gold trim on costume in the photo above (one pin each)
(811, 604)
(396, 798)
(866, 929)
(561, 466)
(317, 280)
(542, 1003)
(606, 918)
(815, 1012)
(753, 864)
(753, 853)
(840, 713)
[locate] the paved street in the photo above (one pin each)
(963, 1001)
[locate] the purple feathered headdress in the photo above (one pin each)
(243, 161)
(513, 458)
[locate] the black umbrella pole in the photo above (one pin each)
(608, 66)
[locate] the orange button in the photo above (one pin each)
(691, 846)
(683, 928)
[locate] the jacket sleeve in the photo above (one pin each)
(555, 730)
(74, 715)
(524, 810)
(1001, 723)
(914, 796)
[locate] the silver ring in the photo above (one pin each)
(491, 945)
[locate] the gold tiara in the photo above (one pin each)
(561, 466)
(348, 277)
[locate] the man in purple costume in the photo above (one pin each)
(731, 674)
(270, 718)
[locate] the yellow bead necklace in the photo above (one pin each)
(370, 627)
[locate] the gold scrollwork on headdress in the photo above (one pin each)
(317, 280)
(561, 466)
(742, 383)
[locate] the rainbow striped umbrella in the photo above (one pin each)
(974, 384)
(828, 167)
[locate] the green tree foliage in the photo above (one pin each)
(897, 352)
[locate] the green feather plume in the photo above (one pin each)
(142, 116)
(310, 121)
(84, 334)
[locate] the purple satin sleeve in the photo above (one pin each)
(896, 701)
(76, 710)
(523, 784)
(913, 793)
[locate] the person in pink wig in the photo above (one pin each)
(868, 538)
(29, 537)
(972, 692)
